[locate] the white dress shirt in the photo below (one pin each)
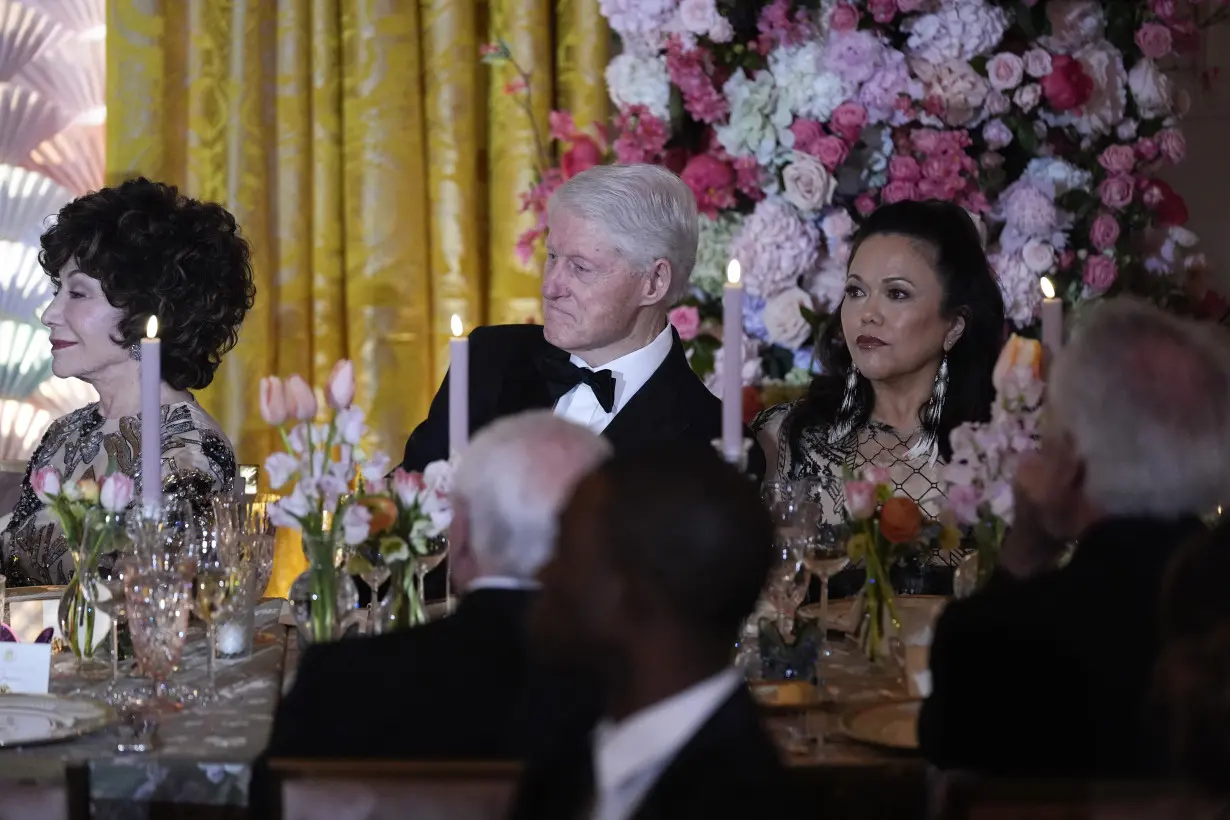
(502, 582)
(631, 755)
(580, 406)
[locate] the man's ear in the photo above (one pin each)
(657, 283)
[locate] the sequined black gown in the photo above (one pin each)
(196, 455)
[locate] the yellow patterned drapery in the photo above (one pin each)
(372, 161)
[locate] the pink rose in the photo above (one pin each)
(898, 191)
(1154, 40)
(1037, 63)
(860, 499)
(1163, 8)
(1172, 144)
(864, 203)
(883, 11)
(843, 18)
(1104, 232)
(1005, 70)
(807, 133)
(831, 151)
(1146, 149)
(1118, 159)
(903, 168)
(1067, 86)
(1116, 192)
(848, 120)
(686, 320)
(1100, 273)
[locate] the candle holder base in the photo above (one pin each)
(739, 460)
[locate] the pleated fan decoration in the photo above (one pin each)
(61, 396)
(71, 75)
(84, 16)
(25, 290)
(25, 358)
(27, 200)
(27, 119)
(21, 426)
(75, 157)
(25, 33)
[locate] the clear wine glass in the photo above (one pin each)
(796, 516)
(375, 571)
(825, 555)
(217, 587)
(437, 548)
(257, 535)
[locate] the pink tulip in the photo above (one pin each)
(46, 483)
(273, 401)
(860, 499)
(300, 400)
(117, 492)
(339, 390)
(408, 486)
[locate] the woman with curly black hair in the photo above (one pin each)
(116, 257)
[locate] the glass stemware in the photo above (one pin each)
(437, 548)
(158, 603)
(825, 555)
(796, 520)
(218, 586)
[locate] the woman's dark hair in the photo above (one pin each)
(157, 252)
(970, 290)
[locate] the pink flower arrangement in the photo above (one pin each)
(1050, 135)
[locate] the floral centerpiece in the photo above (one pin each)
(324, 461)
(977, 481)
(91, 517)
(398, 529)
(1051, 121)
(884, 528)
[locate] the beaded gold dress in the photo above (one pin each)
(875, 444)
(197, 458)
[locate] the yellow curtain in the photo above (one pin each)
(373, 162)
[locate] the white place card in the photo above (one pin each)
(25, 668)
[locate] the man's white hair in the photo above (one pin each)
(647, 213)
(1146, 398)
(513, 479)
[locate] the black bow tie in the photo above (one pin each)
(562, 375)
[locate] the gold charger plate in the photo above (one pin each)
(889, 725)
(31, 720)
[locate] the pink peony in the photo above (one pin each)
(903, 168)
(1100, 273)
(1116, 192)
(1005, 71)
(831, 151)
(1118, 159)
(686, 320)
(1104, 232)
(883, 11)
(712, 182)
(843, 18)
(1172, 144)
(807, 135)
(898, 191)
(1154, 40)
(848, 120)
(1067, 86)
(581, 156)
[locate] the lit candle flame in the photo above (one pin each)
(733, 272)
(1048, 290)
(151, 328)
(455, 325)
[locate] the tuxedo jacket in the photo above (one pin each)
(505, 379)
(729, 768)
(1051, 676)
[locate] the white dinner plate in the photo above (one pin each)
(28, 720)
(891, 725)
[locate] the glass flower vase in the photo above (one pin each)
(83, 625)
(324, 599)
(402, 606)
(878, 622)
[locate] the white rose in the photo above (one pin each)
(809, 185)
(1151, 89)
(1106, 105)
(1028, 97)
(1074, 23)
(1005, 70)
(1038, 63)
(633, 80)
(698, 16)
(998, 103)
(783, 319)
(1039, 256)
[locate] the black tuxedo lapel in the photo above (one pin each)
(651, 414)
(523, 387)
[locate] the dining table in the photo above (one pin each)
(199, 761)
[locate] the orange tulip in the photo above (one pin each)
(1018, 353)
(900, 520)
(383, 510)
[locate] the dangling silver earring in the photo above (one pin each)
(134, 352)
(844, 423)
(929, 439)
